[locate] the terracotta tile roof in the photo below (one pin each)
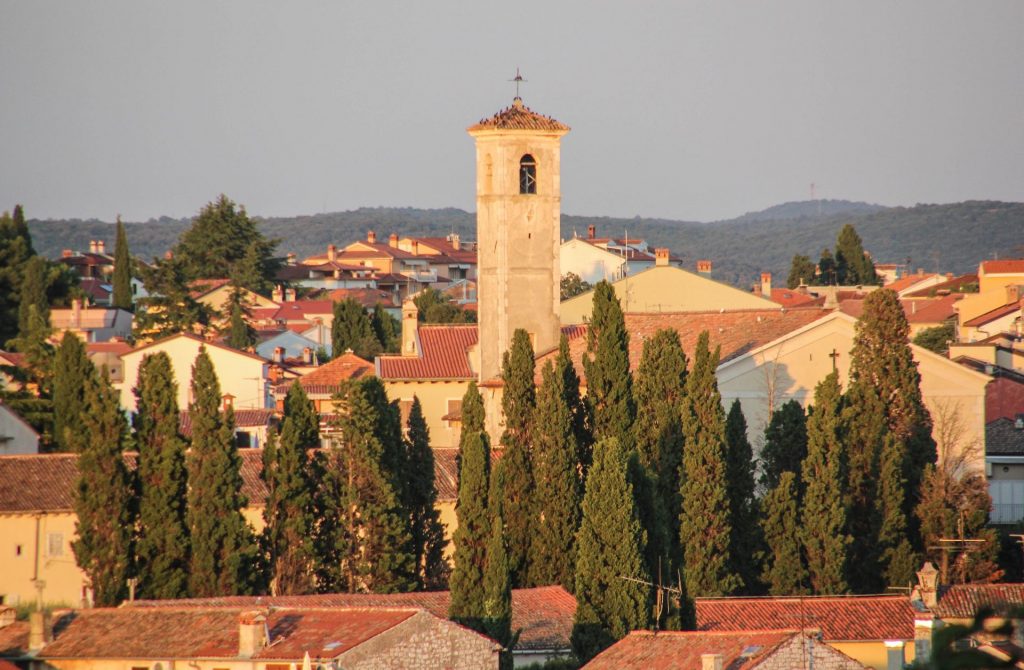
(1003, 438)
(544, 614)
(328, 377)
(788, 297)
(992, 315)
(244, 418)
(1003, 267)
(97, 289)
(297, 310)
(444, 354)
(192, 632)
(200, 287)
(954, 285)
(672, 650)
(200, 340)
(905, 282)
(918, 310)
(7, 665)
(110, 347)
(519, 117)
(14, 639)
(961, 601)
(840, 618)
(446, 474)
(367, 297)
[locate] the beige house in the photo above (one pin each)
(92, 324)
(998, 283)
(216, 296)
(789, 368)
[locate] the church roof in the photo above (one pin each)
(519, 117)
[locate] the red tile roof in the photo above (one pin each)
(962, 601)
(673, 650)
(200, 340)
(297, 310)
(840, 618)
(14, 639)
(788, 297)
(327, 378)
(200, 287)
(519, 117)
(110, 347)
(905, 282)
(244, 418)
(444, 354)
(917, 310)
(992, 315)
(544, 614)
(367, 297)
(954, 285)
(1003, 267)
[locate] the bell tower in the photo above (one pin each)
(518, 209)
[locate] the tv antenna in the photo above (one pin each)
(661, 594)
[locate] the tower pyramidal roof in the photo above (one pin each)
(519, 117)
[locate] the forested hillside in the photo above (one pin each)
(951, 237)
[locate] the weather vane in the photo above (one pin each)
(518, 80)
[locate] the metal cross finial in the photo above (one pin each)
(518, 79)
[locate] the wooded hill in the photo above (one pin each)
(952, 237)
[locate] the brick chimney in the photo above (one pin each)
(332, 253)
(710, 662)
(704, 267)
(393, 240)
(76, 313)
(591, 232)
(279, 354)
(1012, 293)
(289, 295)
(227, 401)
(410, 324)
(660, 256)
(371, 237)
(252, 633)
(414, 247)
(928, 584)
(766, 284)
(307, 355)
(67, 253)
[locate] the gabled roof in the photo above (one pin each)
(962, 601)
(992, 315)
(244, 418)
(840, 618)
(443, 354)
(905, 282)
(519, 117)
(367, 297)
(200, 287)
(953, 285)
(918, 310)
(189, 336)
(298, 309)
(14, 639)
(327, 378)
(118, 347)
(1003, 267)
(788, 297)
(647, 650)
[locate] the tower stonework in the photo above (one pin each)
(518, 209)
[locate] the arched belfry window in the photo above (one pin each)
(527, 174)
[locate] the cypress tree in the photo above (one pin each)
(15, 250)
(386, 328)
(610, 546)
(163, 543)
(785, 444)
(122, 296)
(827, 269)
(581, 423)
(706, 520)
(20, 228)
(518, 403)
(553, 548)
(71, 372)
(426, 528)
(497, 621)
(33, 294)
(351, 329)
(103, 495)
(784, 571)
(223, 549)
(473, 530)
(609, 385)
(895, 554)
(744, 545)
(823, 511)
(289, 513)
(241, 335)
(801, 271)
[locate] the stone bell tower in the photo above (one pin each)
(518, 209)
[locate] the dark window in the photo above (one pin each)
(527, 174)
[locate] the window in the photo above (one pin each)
(404, 409)
(17, 550)
(454, 413)
(55, 544)
(527, 174)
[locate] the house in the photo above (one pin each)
(666, 288)
(287, 344)
(251, 426)
(322, 383)
(1004, 465)
(92, 324)
(108, 355)
(242, 375)
(16, 435)
(912, 283)
(448, 256)
(208, 638)
(1001, 351)
(997, 287)
(95, 263)
(921, 313)
(873, 630)
(1005, 318)
(215, 294)
(594, 259)
(735, 650)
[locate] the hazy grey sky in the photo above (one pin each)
(692, 110)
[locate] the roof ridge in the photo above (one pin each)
(837, 596)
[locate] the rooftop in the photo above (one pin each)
(444, 354)
(1002, 267)
(328, 377)
(961, 601)
(519, 117)
(1003, 438)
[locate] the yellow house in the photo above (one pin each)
(998, 283)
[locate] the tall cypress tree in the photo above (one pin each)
(823, 512)
(122, 296)
(289, 513)
(497, 621)
(223, 548)
(609, 384)
(473, 530)
(895, 554)
(784, 571)
(706, 520)
(744, 544)
(610, 547)
(785, 444)
(518, 403)
(34, 284)
(241, 335)
(71, 372)
(581, 423)
(557, 500)
(103, 495)
(20, 227)
(163, 543)
(15, 250)
(425, 523)
(386, 329)
(351, 329)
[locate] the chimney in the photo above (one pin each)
(371, 237)
(40, 630)
(456, 241)
(766, 284)
(755, 289)
(252, 633)
(101, 247)
(168, 255)
(920, 271)
(660, 256)
(67, 253)
(279, 354)
(227, 401)
(277, 295)
(290, 259)
(92, 246)
(289, 295)
(393, 240)
(410, 323)
(332, 253)
(307, 355)
(414, 247)
(894, 655)
(928, 584)
(591, 232)
(704, 267)
(923, 637)
(710, 662)
(76, 313)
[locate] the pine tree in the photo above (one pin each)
(557, 501)
(289, 513)
(706, 520)
(801, 271)
(609, 385)
(657, 434)
(497, 621)
(122, 296)
(20, 228)
(71, 372)
(784, 571)
(744, 544)
(163, 543)
(823, 510)
(103, 495)
(425, 524)
(351, 329)
(852, 265)
(785, 444)
(169, 308)
(518, 403)
(827, 270)
(219, 240)
(223, 549)
(473, 529)
(610, 546)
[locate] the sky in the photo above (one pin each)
(679, 109)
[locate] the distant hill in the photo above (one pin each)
(952, 237)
